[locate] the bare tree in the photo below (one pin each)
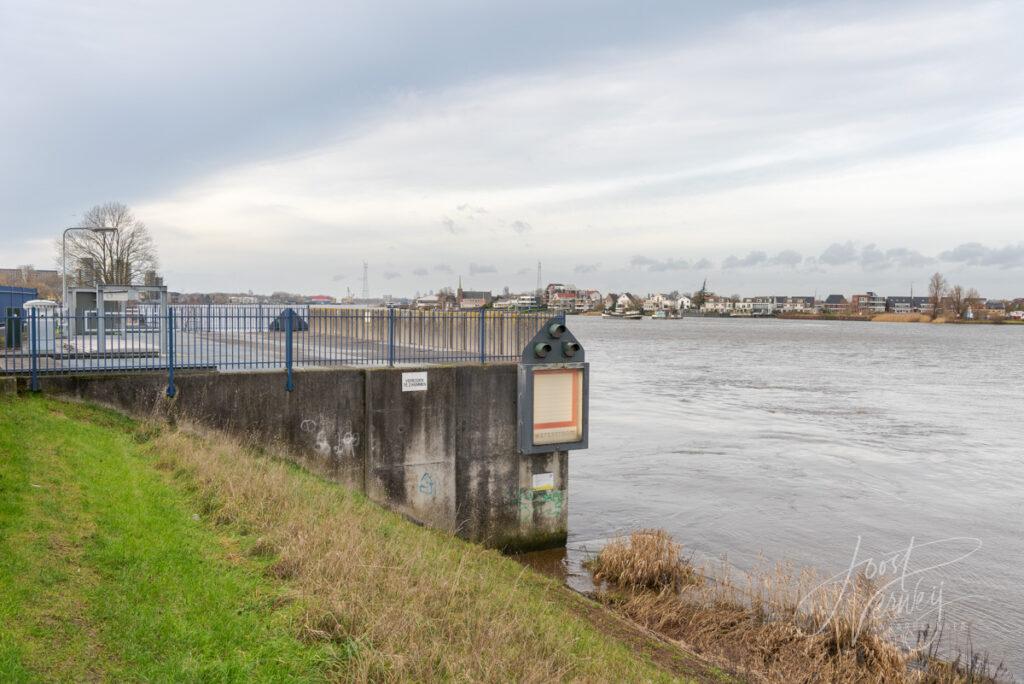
(936, 292)
(958, 301)
(120, 258)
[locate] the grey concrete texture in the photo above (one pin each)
(445, 457)
(496, 498)
(410, 464)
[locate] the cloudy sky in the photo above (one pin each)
(638, 145)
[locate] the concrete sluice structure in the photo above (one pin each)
(435, 443)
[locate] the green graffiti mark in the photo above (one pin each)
(550, 502)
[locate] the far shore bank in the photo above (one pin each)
(878, 318)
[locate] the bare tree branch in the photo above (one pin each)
(121, 258)
(936, 293)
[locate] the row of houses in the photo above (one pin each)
(770, 305)
(565, 298)
(556, 297)
(871, 303)
(864, 304)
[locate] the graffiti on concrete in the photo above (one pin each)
(549, 502)
(426, 485)
(345, 446)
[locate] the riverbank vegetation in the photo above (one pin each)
(774, 624)
(131, 551)
(927, 318)
(905, 318)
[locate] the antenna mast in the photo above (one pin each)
(366, 281)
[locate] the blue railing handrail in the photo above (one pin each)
(150, 338)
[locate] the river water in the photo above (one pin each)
(893, 448)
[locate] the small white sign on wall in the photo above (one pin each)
(414, 382)
(543, 481)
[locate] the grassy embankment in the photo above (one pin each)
(130, 551)
(774, 625)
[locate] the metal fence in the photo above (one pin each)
(225, 338)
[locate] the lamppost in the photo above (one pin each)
(64, 257)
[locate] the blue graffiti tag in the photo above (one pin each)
(426, 485)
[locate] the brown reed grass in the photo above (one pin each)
(902, 318)
(772, 624)
(646, 559)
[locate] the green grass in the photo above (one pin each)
(105, 573)
(130, 551)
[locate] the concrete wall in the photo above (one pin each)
(445, 457)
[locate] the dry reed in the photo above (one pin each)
(773, 624)
(646, 559)
(902, 318)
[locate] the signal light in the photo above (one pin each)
(569, 349)
(541, 349)
(556, 330)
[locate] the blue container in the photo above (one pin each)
(12, 300)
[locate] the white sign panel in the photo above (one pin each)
(557, 406)
(414, 382)
(543, 481)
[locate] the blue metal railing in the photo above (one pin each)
(226, 338)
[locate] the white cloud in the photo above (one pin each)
(785, 131)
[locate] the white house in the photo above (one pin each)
(800, 305)
(526, 301)
(684, 303)
(717, 305)
(659, 302)
(744, 307)
(591, 299)
(762, 306)
(504, 304)
(628, 302)
(431, 302)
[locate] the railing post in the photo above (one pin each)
(483, 335)
(34, 346)
(171, 389)
(391, 336)
(288, 385)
